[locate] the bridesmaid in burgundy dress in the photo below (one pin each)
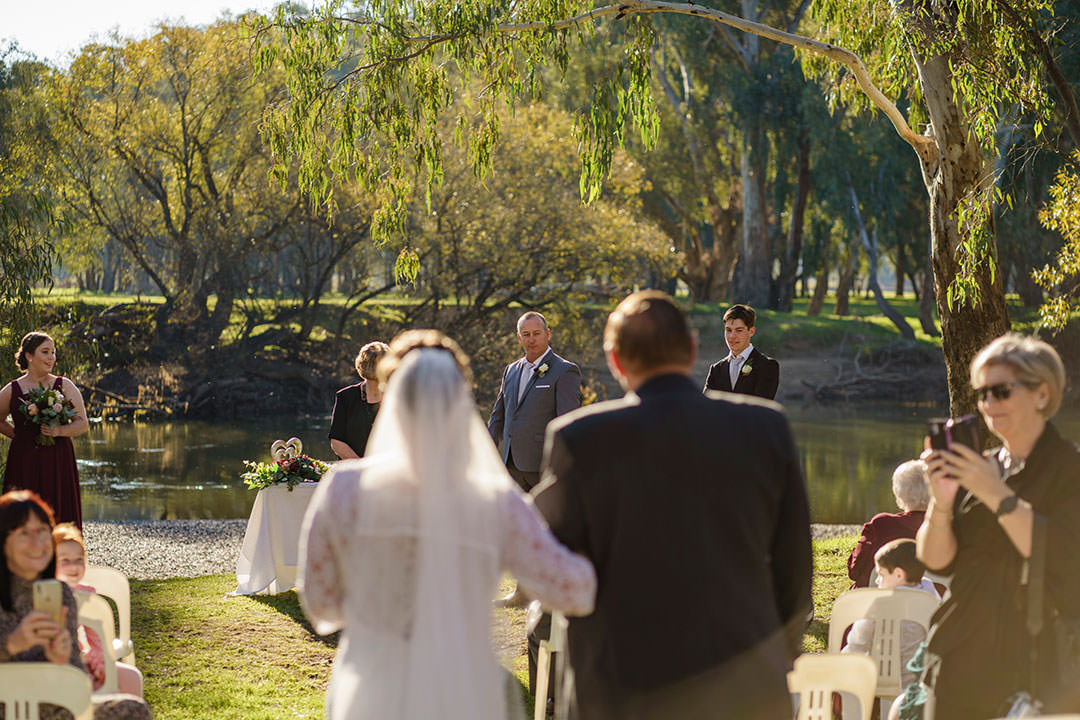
(48, 470)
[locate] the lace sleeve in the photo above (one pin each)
(560, 579)
(320, 581)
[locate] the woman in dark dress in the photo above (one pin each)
(355, 406)
(978, 527)
(48, 470)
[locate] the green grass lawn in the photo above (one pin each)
(206, 655)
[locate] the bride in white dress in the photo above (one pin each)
(404, 549)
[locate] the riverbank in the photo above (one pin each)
(159, 549)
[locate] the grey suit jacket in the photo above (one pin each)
(521, 425)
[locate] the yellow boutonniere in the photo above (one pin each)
(542, 370)
(746, 369)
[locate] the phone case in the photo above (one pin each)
(49, 598)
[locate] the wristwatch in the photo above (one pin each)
(1007, 505)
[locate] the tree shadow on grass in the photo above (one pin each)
(288, 604)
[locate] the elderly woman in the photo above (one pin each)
(355, 406)
(911, 493)
(979, 526)
(28, 635)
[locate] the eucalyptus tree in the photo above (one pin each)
(957, 65)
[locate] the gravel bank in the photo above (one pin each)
(144, 549)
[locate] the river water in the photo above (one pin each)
(191, 469)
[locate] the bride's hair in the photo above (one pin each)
(409, 340)
(30, 343)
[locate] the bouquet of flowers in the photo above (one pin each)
(289, 466)
(48, 407)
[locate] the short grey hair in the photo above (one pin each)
(909, 485)
(529, 316)
(1033, 361)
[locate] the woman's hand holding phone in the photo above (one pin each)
(943, 484)
(58, 648)
(37, 628)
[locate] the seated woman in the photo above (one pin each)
(27, 635)
(912, 495)
(71, 567)
(404, 549)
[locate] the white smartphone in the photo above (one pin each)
(49, 598)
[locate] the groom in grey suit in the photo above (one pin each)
(535, 389)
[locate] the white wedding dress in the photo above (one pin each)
(404, 549)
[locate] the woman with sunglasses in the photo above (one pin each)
(978, 528)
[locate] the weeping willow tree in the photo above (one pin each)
(378, 75)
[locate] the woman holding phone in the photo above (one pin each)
(979, 528)
(30, 635)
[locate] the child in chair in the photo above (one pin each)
(71, 567)
(897, 568)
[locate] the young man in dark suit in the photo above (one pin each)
(692, 509)
(746, 369)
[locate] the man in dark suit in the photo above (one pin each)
(746, 369)
(694, 513)
(534, 390)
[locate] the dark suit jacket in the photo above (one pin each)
(694, 513)
(520, 425)
(762, 380)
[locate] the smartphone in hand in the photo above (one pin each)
(49, 598)
(944, 433)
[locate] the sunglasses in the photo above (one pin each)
(1000, 391)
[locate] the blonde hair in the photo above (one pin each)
(68, 532)
(368, 358)
(1033, 361)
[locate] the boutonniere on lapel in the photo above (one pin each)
(542, 370)
(746, 368)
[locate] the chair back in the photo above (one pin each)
(816, 677)
(96, 615)
(114, 585)
(24, 685)
(887, 609)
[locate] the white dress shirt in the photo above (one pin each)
(735, 363)
(527, 370)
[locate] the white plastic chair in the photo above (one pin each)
(887, 608)
(23, 685)
(550, 649)
(96, 615)
(816, 677)
(114, 585)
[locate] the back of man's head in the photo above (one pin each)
(741, 312)
(648, 331)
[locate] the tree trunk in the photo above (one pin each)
(752, 276)
(899, 269)
(821, 289)
(847, 279)
(956, 174)
(793, 248)
(1030, 293)
(870, 245)
(926, 300)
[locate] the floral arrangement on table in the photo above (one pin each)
(47, 407)
(289, 466)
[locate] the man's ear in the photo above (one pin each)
(751, 331)
(693, 347)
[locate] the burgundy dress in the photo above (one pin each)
(48, 470)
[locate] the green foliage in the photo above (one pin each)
(288, 470)
(992, 69)
(28, 214)
(378, 81)
(1062, 277)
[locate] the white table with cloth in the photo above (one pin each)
(270, 556)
